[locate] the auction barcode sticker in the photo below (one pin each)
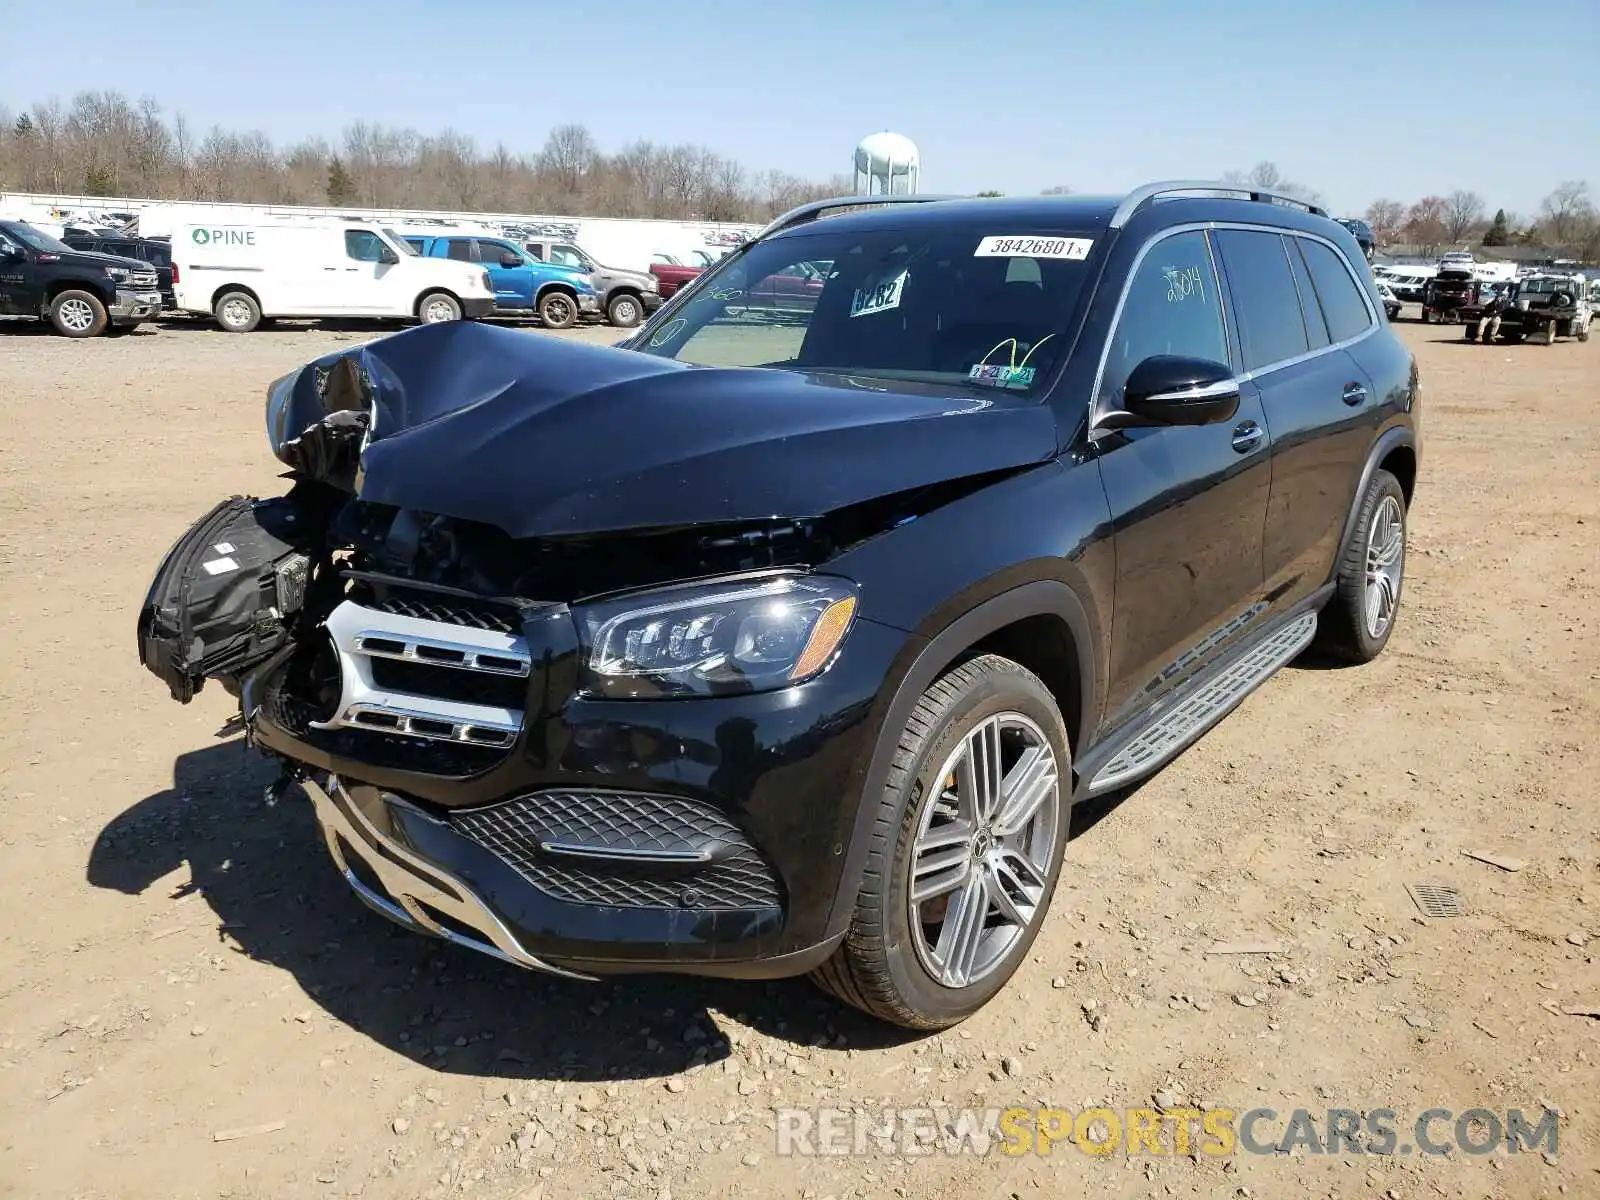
(1033, 247)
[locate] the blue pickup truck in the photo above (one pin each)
(522, 284)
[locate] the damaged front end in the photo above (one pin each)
(549, 631)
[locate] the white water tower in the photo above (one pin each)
(886, 163)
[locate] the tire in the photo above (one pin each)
(237, 312)
(558, 310)
(625, 311)
(1344, 631)
(437, 307)
(1427, 317)
(1549, 338)
(885, 966)
(78, 314)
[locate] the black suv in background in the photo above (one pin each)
(81, 293)
(784, 639)
(156, 252)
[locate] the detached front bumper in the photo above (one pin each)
(589, 304)
(475, 308)
(650, 300)
(392, 880)
(134, 306)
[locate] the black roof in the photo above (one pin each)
(1086, 213)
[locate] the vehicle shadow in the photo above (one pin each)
(267, 877)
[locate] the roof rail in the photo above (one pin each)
(808, 212)
(1136, 200)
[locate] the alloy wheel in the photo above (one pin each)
(76, 315)
(980, 863)
(1386, 552)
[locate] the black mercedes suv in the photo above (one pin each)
(782, 637)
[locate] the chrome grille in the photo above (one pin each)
(142, 279)
(419, 678)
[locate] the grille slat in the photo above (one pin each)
(626, 850)
(448, 683)
(447, 610)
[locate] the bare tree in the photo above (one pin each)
(1268, 178)
(1463, 212)
(1425, 224)
(1564, 212)
(1385, 218)
(101, 142)
(569, 155)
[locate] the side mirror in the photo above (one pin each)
(388, 256)
(509, 259)
(1170, 389)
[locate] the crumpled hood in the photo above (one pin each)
(545, 437)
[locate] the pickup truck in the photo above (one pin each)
(671, 274)
(80, 293)
(522, 284)
(626, 297)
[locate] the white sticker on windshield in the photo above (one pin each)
(1033, 247)
(220, 566)
(879, 296)
(223, 547)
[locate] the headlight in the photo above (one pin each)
(120, 274)
(651, 284)
(737, 635)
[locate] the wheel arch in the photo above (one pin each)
(1395, 451)
(57, 286)
(1041, 625)
(223, 289)
(416, 305)
(554, 285)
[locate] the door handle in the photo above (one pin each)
(1354, 393)
(1247, 436)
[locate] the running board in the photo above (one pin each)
(1213, 699)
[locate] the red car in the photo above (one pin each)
(672, 274)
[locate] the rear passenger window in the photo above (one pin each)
(460, 249)
(1316, 327)
(1265, 302)
(1341, 298)
(1172, 307)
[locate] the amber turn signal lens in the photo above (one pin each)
(825, 638)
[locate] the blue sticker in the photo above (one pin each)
(998, 375)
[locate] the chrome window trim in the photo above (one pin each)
(1098, 408)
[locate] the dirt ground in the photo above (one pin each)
(179, 961)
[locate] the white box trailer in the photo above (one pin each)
(241, 273)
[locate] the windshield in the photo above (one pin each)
(39, 240)
(400, 244)
(563, 255)
(947, 304)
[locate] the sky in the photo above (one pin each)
(1355, 98)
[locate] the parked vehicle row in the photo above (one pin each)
(82, 293)
(247, 275)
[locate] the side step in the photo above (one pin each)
(1212, 699)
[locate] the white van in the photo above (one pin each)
(242, 273)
